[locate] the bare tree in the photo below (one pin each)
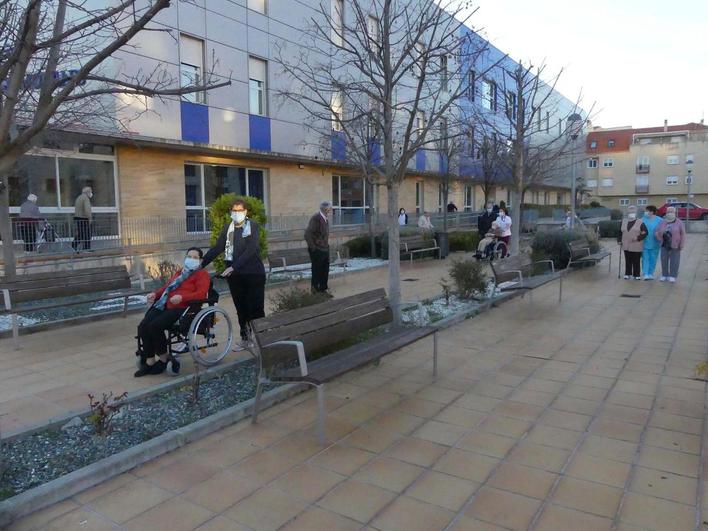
(396, 67)
(493, 162)
(55, 72)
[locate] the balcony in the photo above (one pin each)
(643, 168)
(641, 189)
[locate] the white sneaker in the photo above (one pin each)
(672, 279)
(637, 278)
(662, 279)
(648, 277)
(627, 277)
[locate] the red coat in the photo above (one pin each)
(194, 287)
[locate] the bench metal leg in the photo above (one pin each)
(609, 267)
(320, 414)
(435, 355)
(125, 306)
(257, 402)
(15, 331)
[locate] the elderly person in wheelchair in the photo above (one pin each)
(167, 304)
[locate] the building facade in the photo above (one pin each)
(180, 155)
(655, 165)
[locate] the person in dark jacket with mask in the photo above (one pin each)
(485, 220)
(244, 272)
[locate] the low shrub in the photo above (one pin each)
(595, 204)
(554, 246)
(382, 240)
(294, 298)
(359, 247)
(609, 228)
(544, 211)
(463, 241)
(615, 214)
(469, 276)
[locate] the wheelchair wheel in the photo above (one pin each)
(500, 251)
(210, 336)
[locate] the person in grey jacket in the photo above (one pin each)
(317, 238)
(82, 220)
(28, 222)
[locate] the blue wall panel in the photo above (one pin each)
(339, 146)
(195, 122)
(420, 160)
(259, 132)
(375, 152)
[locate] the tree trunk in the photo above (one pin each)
(515, 220)
(8, 250)
(446, 195)
(394, 255)
(372, 215)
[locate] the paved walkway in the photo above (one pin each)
(53, 372)
(582, 416)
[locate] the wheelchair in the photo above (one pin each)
(204, 330)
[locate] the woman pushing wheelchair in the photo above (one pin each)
(167, 304)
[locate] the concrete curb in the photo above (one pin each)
(66, 486)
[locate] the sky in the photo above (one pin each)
(638, 62)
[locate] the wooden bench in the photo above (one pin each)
(517, 273)
(297, 260)
(411, 245)
(580, 253)
(34, 287)
(287, 344)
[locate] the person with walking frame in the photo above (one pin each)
(82, 220)
(317, 238)
(28, 222)
(632, 234)
(244, 272)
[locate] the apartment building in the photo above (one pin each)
(176, 159)
(654, 165)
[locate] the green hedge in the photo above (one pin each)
(544, 211)
(463, 241)
(609, 228)
(360, 247)
(554, 246)
(220, 213)
(615, 214)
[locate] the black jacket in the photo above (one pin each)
(484, 222)
(246, 251)
(317, 233)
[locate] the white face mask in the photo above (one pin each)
(632, 216)
(238, 217)
(191, 263)
(89, 194)
(670, 217)
(489, 210)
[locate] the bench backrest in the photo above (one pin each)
(298, 256)
(505, 269)
(416, 242)
(578, 248)
(323, 325)
(38, 286)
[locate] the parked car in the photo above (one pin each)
(694, 211)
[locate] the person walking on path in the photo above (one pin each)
(504, 222)
(632, 234)
(29, 222)
(402, 217)
(82, 220)
(244, 272)
(451, 207)
(485, 220)
(672, 235)
(317, 238)
(166, 306)
(650, 252)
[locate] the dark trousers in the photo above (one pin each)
(507, 241)
(82, 234)
(248, 293)
(320, 269)
(152, 330)
(28, 233)
(632, 261)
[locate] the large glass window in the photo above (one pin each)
(350, 199)
(75, 174)
(257, 73)
(34, 175)
(205, 183)
(192, 66)
(469, 198)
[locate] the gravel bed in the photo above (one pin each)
(44, 456)
(438, 309)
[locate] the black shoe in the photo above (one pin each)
(173, 367)
(156, 368)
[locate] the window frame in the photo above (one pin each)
(591, 183)
(608, 162)
(611, 143)
(265, 7)
(604, 182)
(624, 201)
(672, 180)
(199, 97)
(673, 160)
(642, 201)
(263, 90)
(593, 163)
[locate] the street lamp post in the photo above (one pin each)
(574, 122)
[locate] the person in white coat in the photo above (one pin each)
(504, 222)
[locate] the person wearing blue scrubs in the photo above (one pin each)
(650, 254)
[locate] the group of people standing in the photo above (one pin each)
(644, 240)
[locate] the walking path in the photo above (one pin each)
(579, 415)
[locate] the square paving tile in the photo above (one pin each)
(130, 500)
(180, 475)
(524, 480)
(176, 514)
(608, 448)
(587, 496)
(557, 518)
(308, 482)
(673, 440)
(266, 509)
(575, 405)
(555, 437)
(80, 518)
(539, 456)
(465, 523)
(487, 443)
(220, 491)
(615, 429)
(342, 459)
(316, 519)
(669, 461)
(388, 473)
(440, 432)
(263, 466)
(417, 451)
(372, 440)
(664, 485)
(412, 515)
(467, 465)
(357, 500)
(506, 426)
(503, 508)
(653, 513)
(565, 420)
(477, 402)
(598, 469)
(518, 410)
(460, 416)
(444, 490)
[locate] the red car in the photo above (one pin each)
(694, 211)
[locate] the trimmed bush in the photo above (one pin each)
(360, 247)
(220, 213)
(463, 241)
(554, 246)
(469, 276)
(609, 229)
(294, 298)
(615, 214)
(595, 204)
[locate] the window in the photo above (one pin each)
(470, 142)
(257, 5)
(511, 105)
(350, 198)
(472, 79)
(419, 58)
(441, 197)
(443, 73)
(642, 201)
(672, 200)
(489, 95)
(468, 199)
(257, 73)
(641, 185)
(337, 16)
(205, 183)
(643, 164)
(672, 180)
(593, 144)
(419, 122)
(608, 163)
(689, 158)
(592, 163)
(624, 202)
(611, 143)
(559, 198)
(419, 197)
(671, 160)
(607, 183)
(546, 198)
(591, 183)
(337, 109)
(372, 26)
(191, 67)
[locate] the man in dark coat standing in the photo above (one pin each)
(485, 220)
(317, 238)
